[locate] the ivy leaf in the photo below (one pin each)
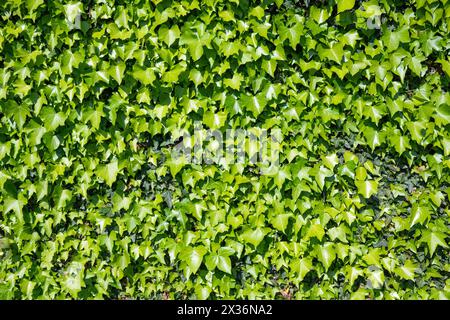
(442, 115)
(301, 267)
(51, 118)
(254, 236)
(434, 239)
(445, 66)
(196, 77)
(18, 112)
(326, 254)
(255, 104)
(269, 66)
(319, 15)
(73, 10)
(169, 36)
(407, 270)
(376, 278)
(173, 74)
(234, 82)
(415, 64)
(373, 137)
(367, 188)
(392, 39)
(417, 130)
(214, 120)
(73, 280)
(320, 174)
(344, 5)
(419, 214)
(193, 256)
(292, 34)
(280, 221)
(108, 172)
(145, 76)
(330, 161)
(15, 205)
(176, 163)
(117, 72)
(401, 143)
(220, 260)
(335, 52)
(338, 233)
(353, 273)
(195, 41)
(316, 230)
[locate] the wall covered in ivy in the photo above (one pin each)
(95, 96)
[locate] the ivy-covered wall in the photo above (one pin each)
(95, 95)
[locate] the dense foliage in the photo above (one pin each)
(94, 94)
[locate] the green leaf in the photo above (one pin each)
(401, 143)
(176, 163)
(419, 214)
(109, 172)
(335, 52)
(392, 39)
(73, 280)
(214, 120)
(445, 66)
(73, 10)
(254, 236)
(376, 278)
(193, 256)
(316, 230)
(202, 293)
(196, 77)
(301, 267)
(319, 15)
(344, 5)
(434, 239)
(361, 173)
(373, 137)
(169, 36)
(326, 254)
(320, 174)
(417, 130)
(415, 64)
(407, 270)
(221, 261)
(280, 221)
(52, 119)
(269, 66)
(15, 205)
(234, 82)
(292, 34)
(331, 161)
(173, 74)
(353, 273)
(255, 104)
(117, 72)
(367, 188)
(18, 112)
(121, 17)
(145, 76)
(442, 116)
(338, 233)
(195, 41)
